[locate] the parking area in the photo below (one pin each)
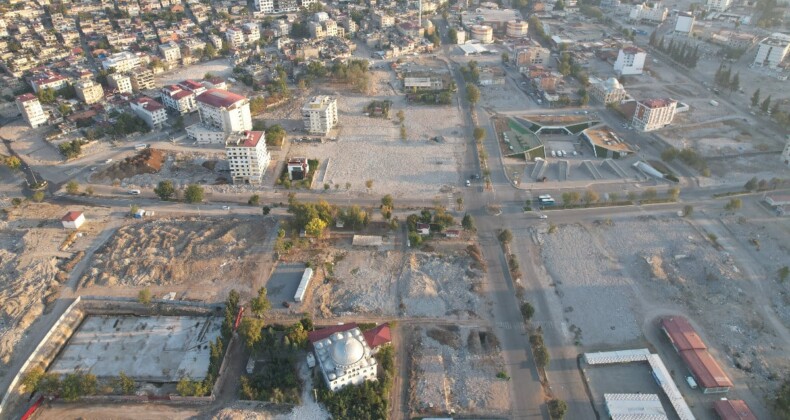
(630, 378)
(284, 281)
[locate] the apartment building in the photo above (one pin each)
(121, 62)
(656, 14)
(89, 91)
(247, 156)
(31, 110)
(171, 52)
(120, 82)
(265, 6)
(718, 5)
(47, 80)
(224, 110)
(179, 99)
(531, 56)
(142, 79)
(630, 61)
(320, 114)
(149, 110)
(652, 114)
(772, 50)
(607, 92)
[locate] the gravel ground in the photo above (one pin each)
(220, 67)
(434, 286)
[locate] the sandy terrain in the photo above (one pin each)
(182, 168)
(220, 67)
(454, 371)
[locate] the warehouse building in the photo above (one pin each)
(707, 373)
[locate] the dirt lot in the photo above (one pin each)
(454, 370)
(34, 262)
(635, 269)
(150, 166)
(208, 255)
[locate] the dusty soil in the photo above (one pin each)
(194, 251)
(454, 370)
(150, 166)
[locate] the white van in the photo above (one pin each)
(134, 192)
(692, 383)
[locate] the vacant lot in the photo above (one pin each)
(150, 166)
(454, 370)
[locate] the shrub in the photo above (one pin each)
(193, 194)
(254, 200)
(38, 196)
(72, 187)
(505, 236)
(557, 409)
(144, 296)
(527, 310)
(165, 190)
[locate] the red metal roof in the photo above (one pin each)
(733, 410)
(180, 95)
(191, 84)
(657, 103)
(71, 216)
(26, 97)
(219, 98)
(323, 333)
(682, 334)
(148, 103)
(705, 369)
(378, 336)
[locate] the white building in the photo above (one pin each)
(121, 62)
(142, 79)
(607, 92)
(517, 28)
(31, 110)
(252, 32)
(149, 110)
(178, 98)
(320, 114)
(235, 37)
(265, 6)
(224, 110)
(653, 14)
(73, 220)
(772, 50)
(120, 82)
(345, 359)
(718, 5)
(685, 23)
(652, 114)
(48, 81)
(482, 33)
(786, 153)
(247, 156)
(171, 52)
(89, 91)
(630, 60)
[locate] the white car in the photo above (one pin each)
(225, 207)
(553, 153)
(543, 216)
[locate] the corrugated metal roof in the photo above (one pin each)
(733, 410)
(705, 369)
(682, 334)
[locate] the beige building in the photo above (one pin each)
(607, 92)
(31, 110)
(142, 79)
(120, 82)
(652, 114)
(320, 114)
(531, 56)
(247, 156)
(89, 91)
(171, 52)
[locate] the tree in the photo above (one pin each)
(254, 200)
(125, 384)
(401, 116)
(733, 204)
(250, 330)
(557, 409)
(505, 236)
(452, 34)
(590, 196)
(72, 187)
(673, 193)
(315, 227)
(756, 97)
(275, 135)
(527, 310)
(387, 201)
(38, 196)
(49, 384)
(735, 82)
(782, 400)
(193, 194)
(165, 190)
(468, 222)
(13, 162)
(369, 184)
(144, 296)
(184, 387)
(472, 93)
(260, 304)
(751, 184)
(257, 105)
(649, 194)
(505, 57)
(266, 210)
(783, 273)
(31, 379)
(479, 134)
(766, 104)
(541, 354)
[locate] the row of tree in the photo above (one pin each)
(725, 79)
(682, 54)
(166, 190)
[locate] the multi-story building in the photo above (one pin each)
(265, 6)
(235, 37)
(718, 5)
(607, 92)
(644, 12)
(89, 91)
(120, 82)
(423, 81)
(247, 156)
(652, 114)
(320, 114)
(345, 356)
(31, 110)
(142, 79)
(517, 28)
(772, 50)
(121, 62)
(171, 52)
(531, 56)
(685, 23)
(224, 110)
(630, 60)
(251, 31)
(179, 99)
(149, 110)
(383, 20)
(47, 80)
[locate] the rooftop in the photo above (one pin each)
(634, 407)
(633, 50)
(318, 335)
(658, 103)
(378, 336)
(318, 102)
(148, 103)
(71, 216)
(606, 138)
(705, 369)
(219, 98)
(682, 334)
(245, 139)
(733, 410)
(26, 97)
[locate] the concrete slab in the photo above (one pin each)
(630, 378)
(153, 349)
(283, 283)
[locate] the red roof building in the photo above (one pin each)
(323, 333)
(26, 97)
(378, 336)
(219, 98)
(706, 371)
(733, 410)
(681, 334)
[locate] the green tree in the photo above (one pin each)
(505, 57)
(184, 387)
(275, 135)
(688, 210)
(193, 194)
(165, 190)
(250, 330)
(735, 82)
(479, 133)
(38, 196)
(260, 304)
(144, 296)
(254, 200)
(590, 196)
(72, 187)
(784, 272)
(472, 93)
(13, 162)
(31, 379)
(257, 105)
(387, 201)
(401, 116)
(751, 184)
(49, 384)
(557, 409)
(452, 34)
(468, 223)
(756, 97)
(733, 205)
(541, 356)
(505, 236)
(527, 310)
(315, 227)
(766, 104)
(125, 384)
(673, 193)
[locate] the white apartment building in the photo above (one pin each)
(142, 79)
(772, 50)
(149, 110)
(178, 98)
(630, 60)
(265, 6)
(171, 52)
(224, 110)
(48, 81)
(607, 92)
(121, 62)
(383, 20)
(652, 114)
(235, 37)
(320, 114)
(653, 14)
(252, 32)
(89, 91)
(31, 110)
(718, 5)
(247, 156)
(120, 82)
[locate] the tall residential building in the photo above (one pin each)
(607, 92)
(171, 52)
(247, 156)
(120, 82)
(142, 79)
(149, 110)
(653, 14)
(530, 56)
(179, 98)
(89, 91)
(320, 114)
(630, 60)
(652, 114)
(31, 110)
(265, 6)
(224, 110)
(121, 62)
(718, 5)
(772, 50)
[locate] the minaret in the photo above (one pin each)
(420, 19)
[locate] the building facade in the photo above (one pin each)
(718, 5)
(149, 110)
(89, 91)
(179, 99)
(607, 92)
(320, 114)
(142, 79)
(171, 52)
(531, 56)
(247, 156)
(630, 61)
(652, 114)
(120, 82)
(772, 50)
(642, 11)
(121, 62)
(224, 110)
(31, 110)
